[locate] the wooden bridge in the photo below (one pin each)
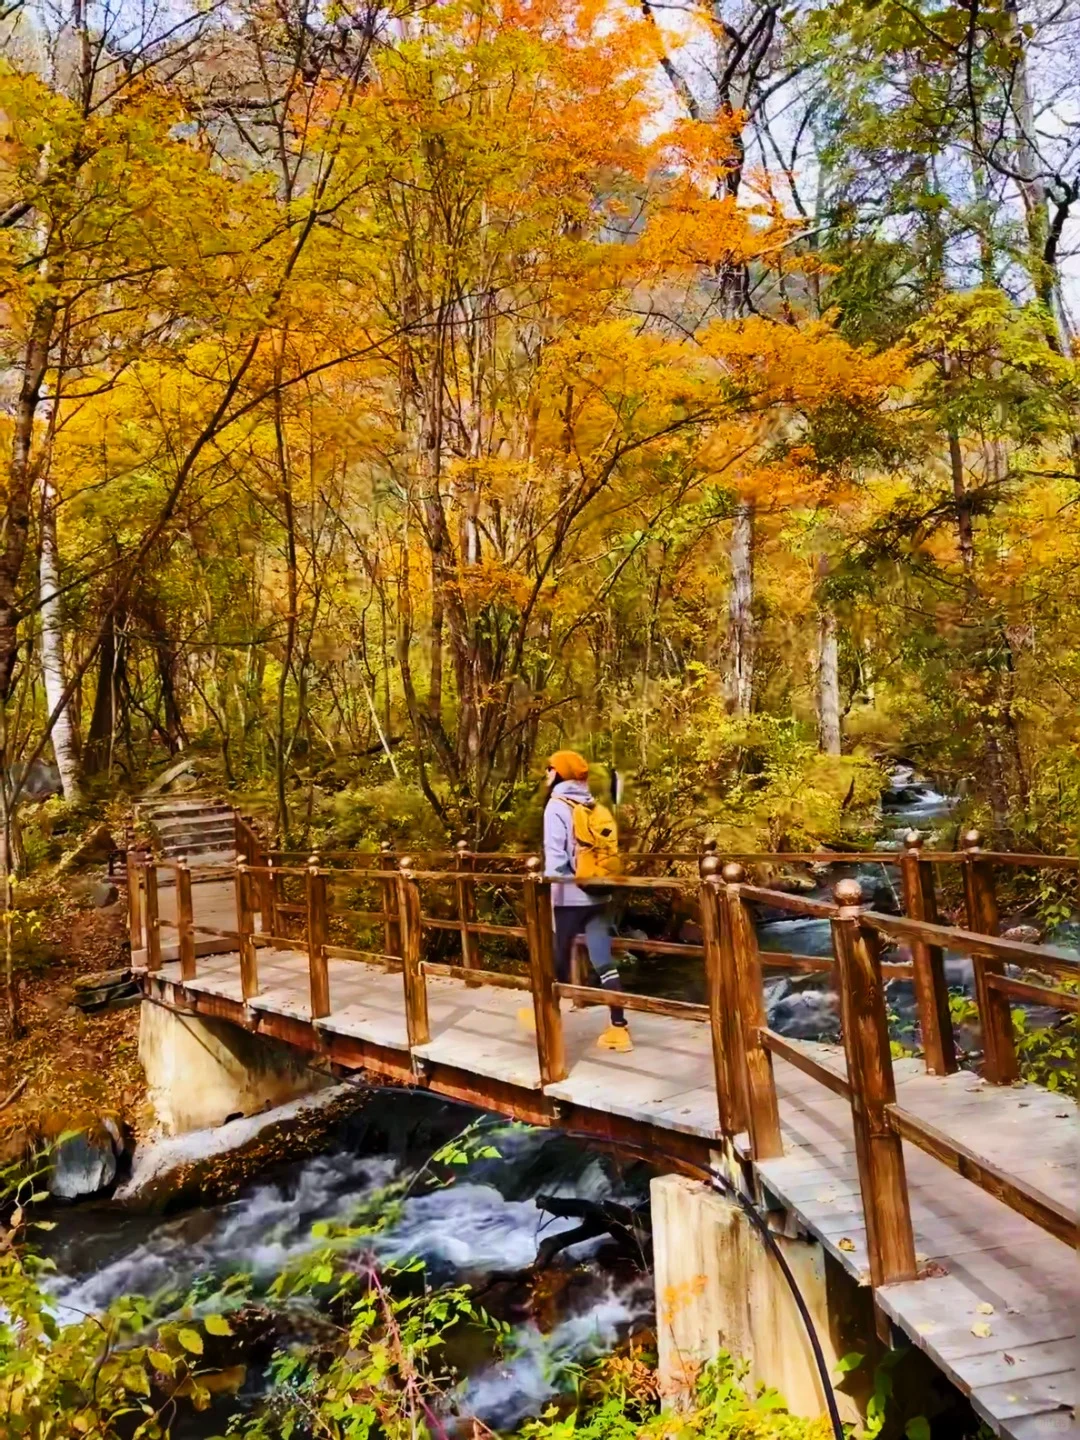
(953, 1194)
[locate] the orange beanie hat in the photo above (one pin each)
(569, 765)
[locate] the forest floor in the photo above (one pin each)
(69, 1069)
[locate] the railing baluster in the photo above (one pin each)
(727, 1044)
(550, 1046)
(185, 920)
(466, 907)
(927, 961)
(265, 885)
(878, 1149)
(245, 926)
(763, 1110)
(318, 969)
(995, 1012)
(153, 921)
(391, 908)
(135, 930)
(411, 930)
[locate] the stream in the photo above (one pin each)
(482, 1229)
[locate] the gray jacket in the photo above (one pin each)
(559, 859)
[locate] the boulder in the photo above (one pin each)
(95, 893)
(105, 990)
(93, 849)
(40, 782)
(1026, 934)
(85, 1164)
(184, 766)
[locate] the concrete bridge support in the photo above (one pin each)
(202, 1071)
(719, 1288)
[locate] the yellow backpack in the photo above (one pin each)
(596, 842)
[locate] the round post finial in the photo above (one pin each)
(405, 863)
(848, 892)
(386, 847)
(914, 840)
(733, 873)
(462, 847)
(709, 847)
(708, 866)
(532, 865)
(971, 840)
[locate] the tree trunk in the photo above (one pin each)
(64, 743)
(103, 720)
(742, 632)
(828, 683)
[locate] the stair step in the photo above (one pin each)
(194, 823)
(165, 817)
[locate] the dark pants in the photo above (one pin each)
(594, 921)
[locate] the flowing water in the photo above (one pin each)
(483, 1229)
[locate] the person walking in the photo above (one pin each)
(577, 911)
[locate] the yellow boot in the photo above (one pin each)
(526, 1018)
(616, 1037)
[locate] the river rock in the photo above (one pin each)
(1026, 934)
(85, 1164)
(806, 1015)
(212, 1164)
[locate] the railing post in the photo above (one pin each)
(153, 921)
(318, 971)
(878, 1148)
(185, 919)
(391, 908)
(550, 1046)
(265, 884)
(763, 1111)
(927, 961)
(466, 906)
(411, 931)
(729, 1060)
(995, 1012)
(245, 926)
(135, 930)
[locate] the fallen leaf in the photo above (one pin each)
(926, 1327)
(981, 1329)
(1009, 1359)
(846, 1244)
(985, 1308)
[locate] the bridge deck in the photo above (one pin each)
(1021, 1376)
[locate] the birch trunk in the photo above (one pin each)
(52, 650)
(828, 684)
(742, 633)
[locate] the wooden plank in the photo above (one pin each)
(409, 917)
(796, 904)
(647, 1004)
(1060, 1221)
(725, 1027)
(376, 957)
(498, 978)
(1036, 994)
(793, 1052)
(134, 898)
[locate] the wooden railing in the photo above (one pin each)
(497, 919)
